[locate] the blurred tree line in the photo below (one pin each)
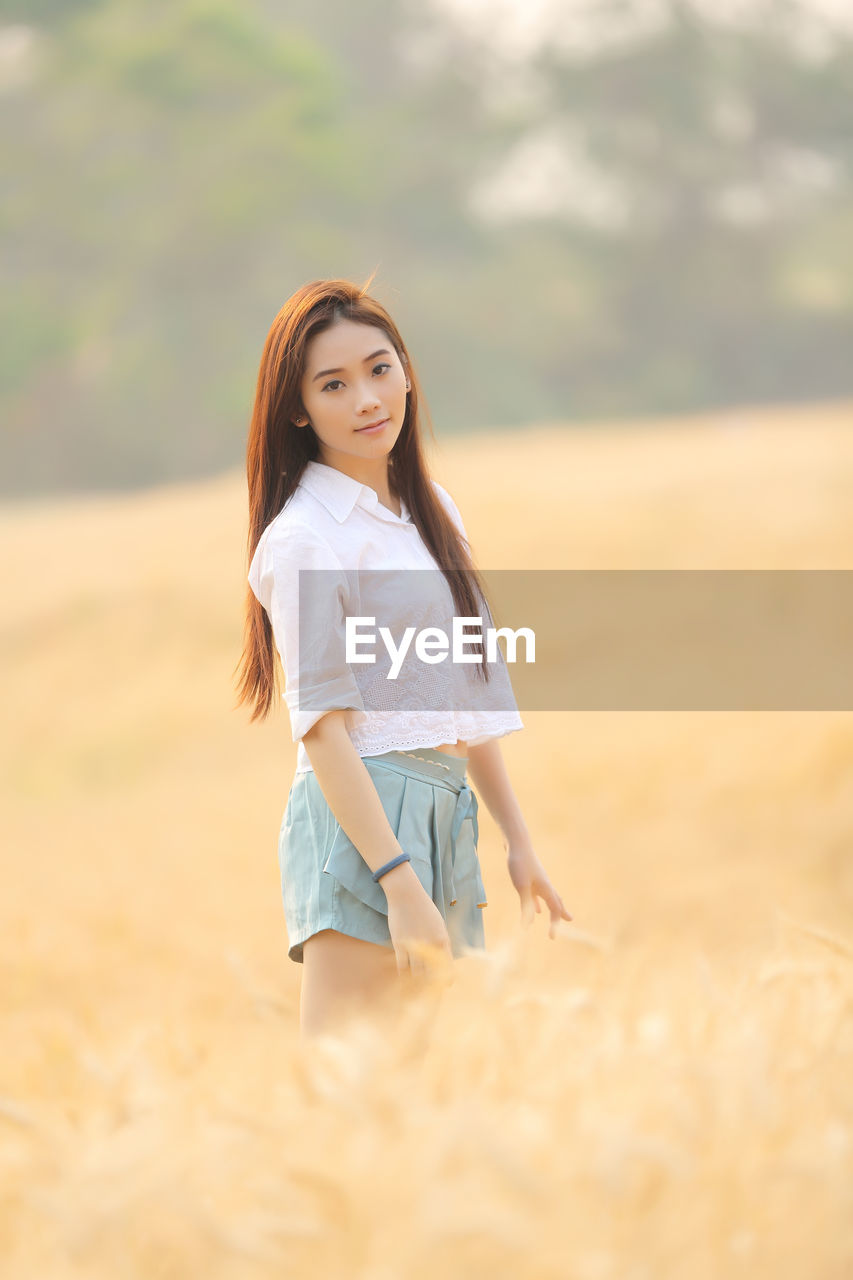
(173, 171)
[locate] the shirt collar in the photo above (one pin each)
(340, 493)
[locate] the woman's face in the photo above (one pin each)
(353, 378)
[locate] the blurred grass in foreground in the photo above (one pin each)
(664, 1090)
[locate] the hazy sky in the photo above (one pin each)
(514, 27)
(548, 171)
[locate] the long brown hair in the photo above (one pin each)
(278, 451)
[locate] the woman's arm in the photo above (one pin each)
(491, 780)
(418, 930)
(353, 799)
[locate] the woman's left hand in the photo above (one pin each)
(531, 880)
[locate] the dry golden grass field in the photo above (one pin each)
(663, 1090)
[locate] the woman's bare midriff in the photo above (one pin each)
(459, 748)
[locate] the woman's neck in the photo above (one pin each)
(375, 473)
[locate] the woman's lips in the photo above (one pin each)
(373, 430)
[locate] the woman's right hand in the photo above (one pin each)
(418, 929)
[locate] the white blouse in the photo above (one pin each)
(333, 523)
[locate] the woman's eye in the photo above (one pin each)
(383, 364)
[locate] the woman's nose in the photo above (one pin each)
(368, 398)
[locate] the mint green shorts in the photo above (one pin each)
(325, 882)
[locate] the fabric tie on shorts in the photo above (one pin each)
(466, 807)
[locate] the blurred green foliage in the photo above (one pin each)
(174, 170)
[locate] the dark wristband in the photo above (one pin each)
(395, 862)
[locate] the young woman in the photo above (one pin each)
(378, 845)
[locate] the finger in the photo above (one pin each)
(423, 957)
(558, 911)
(558, 907)
(527, 912)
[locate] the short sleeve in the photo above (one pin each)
(451, 509)
(306, 593)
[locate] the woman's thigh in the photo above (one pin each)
(341, 975)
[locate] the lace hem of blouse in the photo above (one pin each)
(368, 744)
